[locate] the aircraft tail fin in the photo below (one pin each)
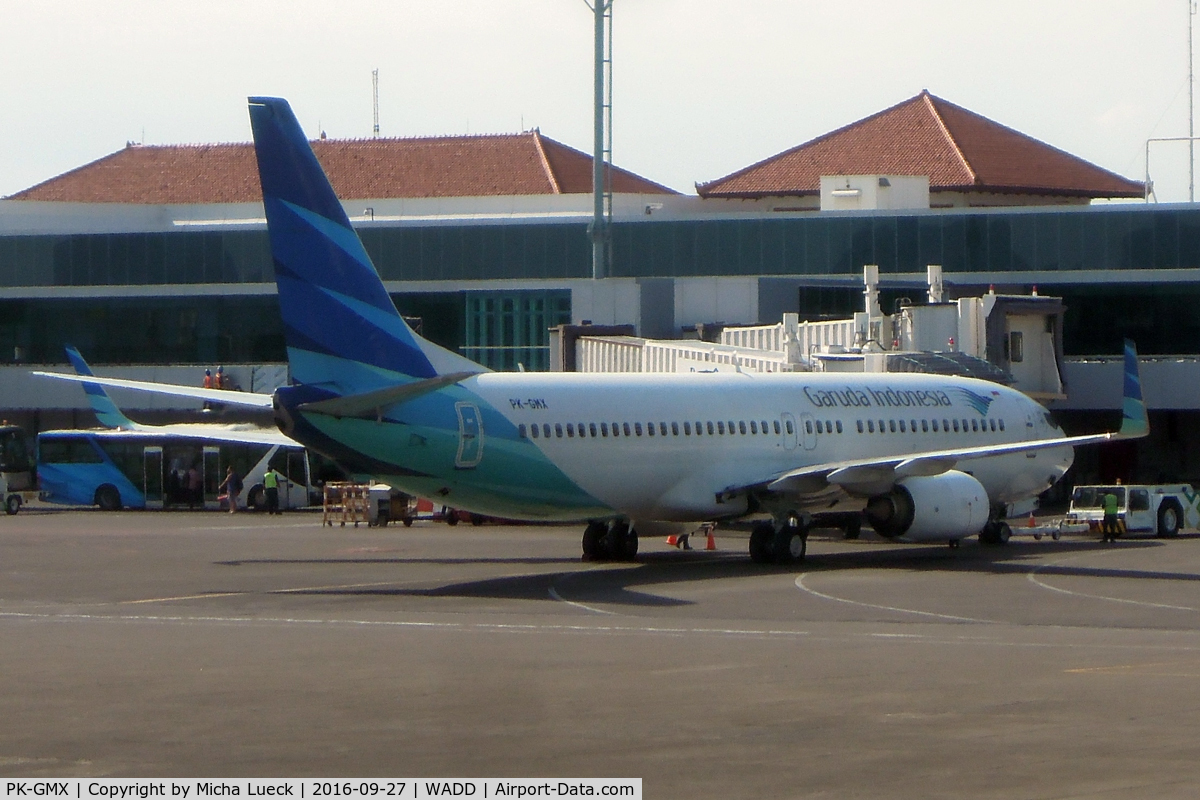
(1135, 422)
(342, 330)
(105, 409)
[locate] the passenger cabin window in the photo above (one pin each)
(839, 426)
(777, 431)
(674, 428)
(870, 426)
(625, 428)
(859, 423)
(570, 430)
(687, 428)
(592, 429)
(789, 427)
(902, 430)
(558, 431)
(649, 428)
(1001, 424)
(521, 430)
(924, 426)
(662, 428)
(742, 427)
(637, 428)
(604, 429)
(753, 426)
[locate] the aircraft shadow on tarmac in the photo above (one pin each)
(619, 584)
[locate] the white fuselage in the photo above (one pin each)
(712, 431)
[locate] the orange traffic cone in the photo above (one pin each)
(712, 543)
(1031, 523)
(672, 540)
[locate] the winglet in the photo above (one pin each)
(1134, 421)
(105, 409)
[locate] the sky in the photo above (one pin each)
(701, 88)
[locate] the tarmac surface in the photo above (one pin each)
(216, 645)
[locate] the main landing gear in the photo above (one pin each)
(780, 543)
(996, 531)
(609, 541)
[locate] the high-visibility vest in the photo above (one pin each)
(271, 480)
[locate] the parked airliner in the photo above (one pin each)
(924, 457)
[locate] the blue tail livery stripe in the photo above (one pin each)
(1134, 419)
(105, 409)
(330, 295)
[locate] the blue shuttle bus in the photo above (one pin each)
(116, 469)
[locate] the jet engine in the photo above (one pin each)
(937, 508)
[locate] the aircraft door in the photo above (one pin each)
(808, 430)
(152, 476)
(212, 477)
(470, 436)
(789, 431)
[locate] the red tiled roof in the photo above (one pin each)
(958, 149)
(443, 166)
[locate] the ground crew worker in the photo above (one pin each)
(271, 485)
(1108, 528)
(233, 487)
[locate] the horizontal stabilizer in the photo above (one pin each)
(369, 404)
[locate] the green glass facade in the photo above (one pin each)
(1061, 249)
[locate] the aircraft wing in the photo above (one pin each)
(249, 399)
(232, 434)
(866, 475)
(870, 475)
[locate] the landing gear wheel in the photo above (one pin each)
(631, 545)
(408, 521)
(760, 542)
(612, 545)
(108, 498)
(854, 528)
(790, 544)
(12, 504)
(593, 536)
(995, 533)
(451, 517)
(1168, 520)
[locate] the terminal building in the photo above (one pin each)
(154, 260)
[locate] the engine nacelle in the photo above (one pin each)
(938, 508)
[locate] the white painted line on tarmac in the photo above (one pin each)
(554, 594)
(485, 627)
(296, 590)
(800, 585)
(1033, 578)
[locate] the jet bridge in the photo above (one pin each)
(1010, 339)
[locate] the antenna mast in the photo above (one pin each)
(375, 99)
